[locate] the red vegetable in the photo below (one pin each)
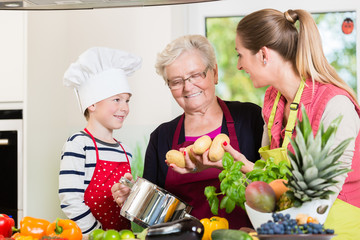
(6, 225)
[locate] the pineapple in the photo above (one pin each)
(284, 202)
(313, 165)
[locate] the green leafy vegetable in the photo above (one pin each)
(268, 170)
(233, 182)
(232, 186)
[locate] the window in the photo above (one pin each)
(339, 43)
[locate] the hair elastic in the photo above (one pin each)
(288, 17)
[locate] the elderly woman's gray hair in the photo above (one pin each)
(183, 44)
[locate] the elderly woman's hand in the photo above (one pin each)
(248, 166)
(121, 192)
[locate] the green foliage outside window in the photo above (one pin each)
(339, 48)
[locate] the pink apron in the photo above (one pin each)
(98, 194)
(190, 187)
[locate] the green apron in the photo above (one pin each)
(280, 154)
(343, 217)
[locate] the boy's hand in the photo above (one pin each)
(121, 192)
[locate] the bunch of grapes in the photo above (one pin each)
(283, 224)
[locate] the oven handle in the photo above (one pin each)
(4, 141)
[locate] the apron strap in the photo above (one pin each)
(230, 125)
(177, 132)
(272, 115)
(124, 151)
(294, 107)
(96, 148)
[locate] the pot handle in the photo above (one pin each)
(186, 215)
(126, 182)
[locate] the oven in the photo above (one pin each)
(11, 163)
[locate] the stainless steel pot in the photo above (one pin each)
(148, 204)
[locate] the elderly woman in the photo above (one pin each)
(188, 66)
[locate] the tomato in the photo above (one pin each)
(111, 235)
(126, 234)
(97, 234)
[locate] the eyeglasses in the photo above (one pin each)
(178, 83)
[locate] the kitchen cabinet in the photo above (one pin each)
(12, 55)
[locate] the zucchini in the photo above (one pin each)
(230, 234)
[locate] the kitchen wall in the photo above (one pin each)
(57, 38)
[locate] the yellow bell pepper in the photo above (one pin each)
(64, 228)
(18, 236)
(212, 224)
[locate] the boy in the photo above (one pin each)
(92, 160)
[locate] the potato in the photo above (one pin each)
(216, 151)
(202, 144)
(176, 157)
(188, 150)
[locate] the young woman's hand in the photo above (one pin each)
(121, 192)
(248, 166)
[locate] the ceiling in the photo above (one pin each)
(86, 4)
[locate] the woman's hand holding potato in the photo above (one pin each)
(203, 154)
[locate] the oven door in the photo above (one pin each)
(11, 200)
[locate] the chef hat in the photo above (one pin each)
(100, 73)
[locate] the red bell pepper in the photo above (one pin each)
(6, 225)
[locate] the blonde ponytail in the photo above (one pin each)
(310, 59)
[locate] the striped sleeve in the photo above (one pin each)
(73, 182)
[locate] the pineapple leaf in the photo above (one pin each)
(304, 125)
(300, 141)
(308, 161)
(324, 185)
(302, 185)
(325, 163)
(293, 162)
(337, 173)
(298, 195)
(310, 192)
(328, 170)
(297, 203)
(294, 186)
(297, 152)
(339, 150)
(297, 175)
(316, 182)
(310, 174)
(331, 130)
(315, 147)
(327, 193)
(305, 198)
(326, 141)
(309, 139)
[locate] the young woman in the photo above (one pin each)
(273, 51)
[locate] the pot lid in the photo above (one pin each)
(86, 4)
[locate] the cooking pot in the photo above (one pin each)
(148, 204)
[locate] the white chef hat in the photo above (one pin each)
(100, 73)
